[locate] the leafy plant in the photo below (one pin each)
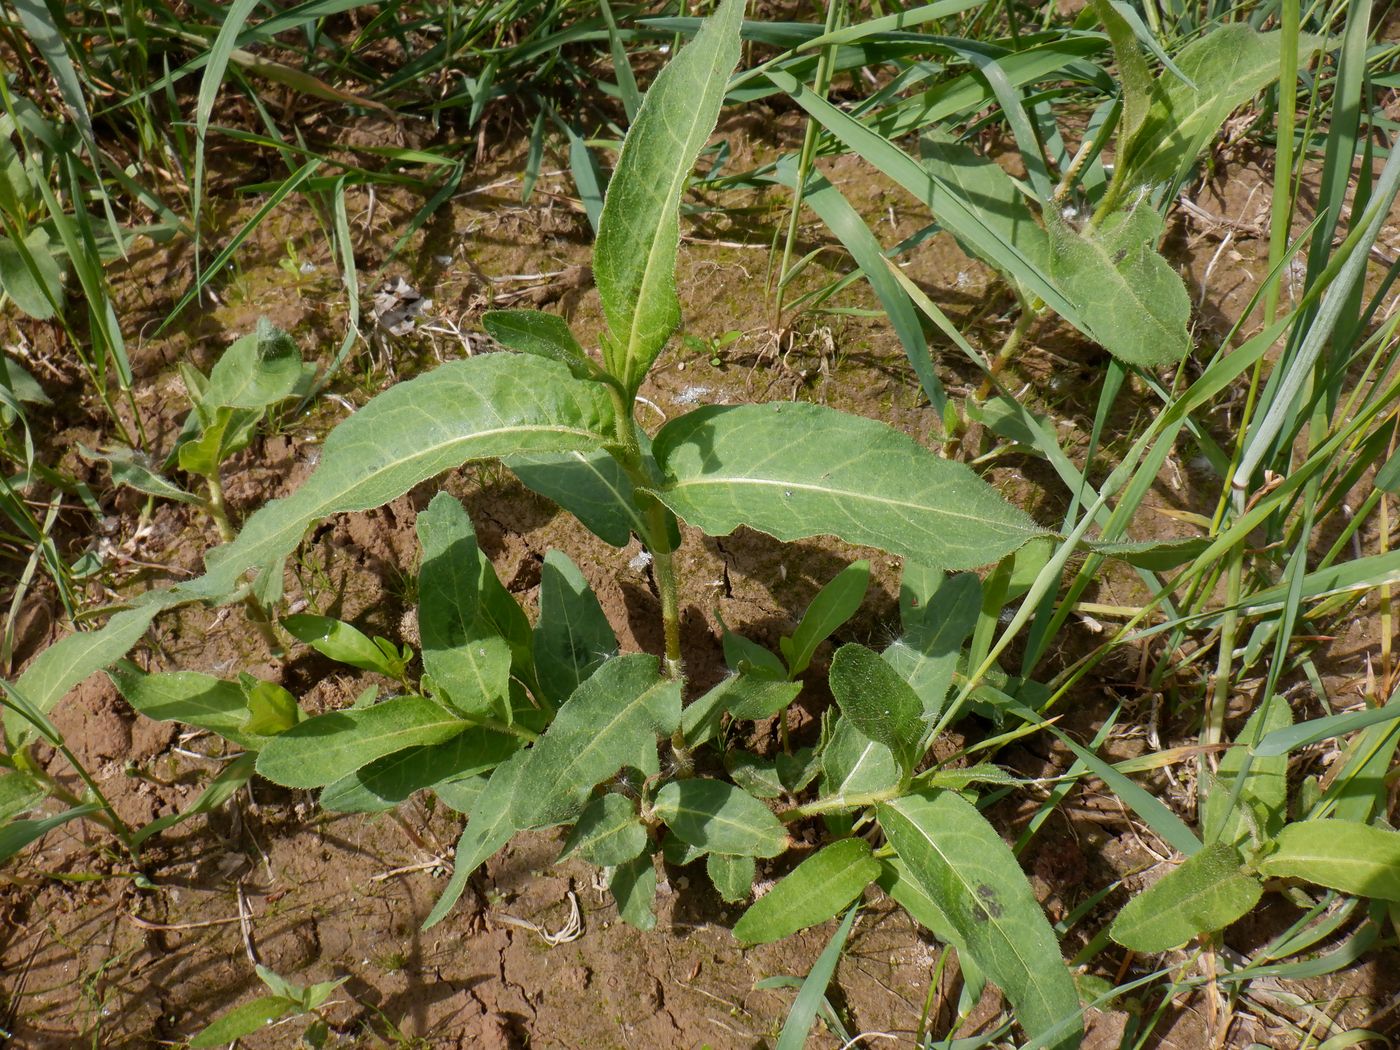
(287, 1000)
(538, 727)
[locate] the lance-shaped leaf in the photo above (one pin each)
(71, 659)
(608, 723)
(19, 793)
(1129, 298)
(878, 702)
(795, 470)
(938, 613)
(1205, 894)
(17, 834)
(29, 274)
(198, 700)
(634, 260)
(573, 636)
(386, 782)
(325, 748)
(342, 642)
(463, 652)
(745, 696)
(813, 892)
(489, 828)
(608, 832)
(541, 334)
(592, 487)
(481, 407)
(720, 818)
(834, 604)
(256, 371)
(1223, 69)
(131, 469)
(1340, 854)
(960, 860)
(1139, 85)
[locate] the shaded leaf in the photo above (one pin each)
(853, 764)
(633, 886)
(387, 781)
(131, 469)
(463, 652)
(591, 486)
(198, 700)
(17, 834)
(541, 334)
(938, 614)
(1265, 785)
(342, 642)
(572, 637)
(732, 876)
(36, 290)
(488, 829)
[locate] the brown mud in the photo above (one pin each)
(95, 954)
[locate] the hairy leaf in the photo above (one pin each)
(878, 702)
(834, 604)
(633, 886)
(387, 781)
(198, 700)
(732, 876)
(541, 334)
(608, 832)
(1265, 785)
(938, 613)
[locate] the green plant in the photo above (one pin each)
(287, 1001)
(541, 726)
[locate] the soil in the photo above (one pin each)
(95, 954)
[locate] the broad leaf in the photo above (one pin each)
(878, 702)
(720, 818)
(271, 709)
(1130, 299)
(608, 723)
(256, 371)
(732, 876)
(1340, 854)
(634, 259)
(198, 700)
(488, 829)
(1226, 67)
(325, 748)
(463, 653)
(1205, 894)
(938, 613)
(748, 657)
(19, 793)
(541, 334)
(951, 850)
(1265, 785)
(386, 782)
(485, 406)
(633, 886)
(795, 470)
(341, 642)
(592, 487)
(853, 764)
(834, 604)
(608, 832)
(754, 773)
(244, 1020)
(813, 892)
(572, 637)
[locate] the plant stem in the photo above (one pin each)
(836, 803)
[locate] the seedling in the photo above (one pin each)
(287, 1001)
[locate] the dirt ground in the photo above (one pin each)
(95, 954)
